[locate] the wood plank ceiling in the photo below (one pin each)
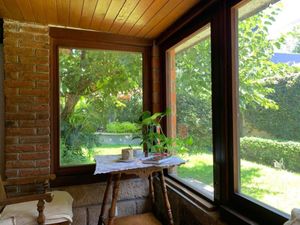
(139, 18)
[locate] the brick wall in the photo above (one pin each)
(26, 91)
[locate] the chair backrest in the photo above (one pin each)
(2, 191)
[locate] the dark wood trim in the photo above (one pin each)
(91, 40)
(93, 36)
(185, 21)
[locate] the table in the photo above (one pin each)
(109, 164)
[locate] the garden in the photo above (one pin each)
(101, 92)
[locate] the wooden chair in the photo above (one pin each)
(39, 208)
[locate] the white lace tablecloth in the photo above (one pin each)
(110, 163)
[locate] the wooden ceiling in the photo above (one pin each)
(138, 18)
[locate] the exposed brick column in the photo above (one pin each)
(26, 90)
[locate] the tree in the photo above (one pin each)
(91, 82)
(194, 73)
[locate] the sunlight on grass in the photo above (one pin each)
(274, 187)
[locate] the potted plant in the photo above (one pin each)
(153, 138)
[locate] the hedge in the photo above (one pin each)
(266, 151)
(121, 127)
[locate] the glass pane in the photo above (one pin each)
(193, 114)
(100, 100)
(269, 102)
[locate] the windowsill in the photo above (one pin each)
(190, 195)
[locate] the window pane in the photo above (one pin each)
(269, 103)
(100, 100)
(191, 109)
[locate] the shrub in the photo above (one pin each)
(121, 127)
(266, 151)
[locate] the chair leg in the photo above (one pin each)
(40, 209)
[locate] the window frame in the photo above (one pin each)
(221, 16)
(71, 38)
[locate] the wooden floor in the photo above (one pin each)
(142, 219)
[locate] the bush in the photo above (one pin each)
(266, 151)
(121, 127)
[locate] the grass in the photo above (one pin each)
(277, 188)
(274, 187)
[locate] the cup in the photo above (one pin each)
(127, 154)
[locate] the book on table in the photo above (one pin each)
(156, 159)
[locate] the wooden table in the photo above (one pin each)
(109, 164)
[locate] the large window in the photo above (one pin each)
(189, 97)
(269, 103)
(100, 98)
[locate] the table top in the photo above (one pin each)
(111, 163)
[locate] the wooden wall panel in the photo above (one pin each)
(87, 13)
(75, 12)
(112, 12)
(26, 10)
(51, 11)
(63, 11)
(38, 10)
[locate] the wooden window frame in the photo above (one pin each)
(71, 38)
(220, 15)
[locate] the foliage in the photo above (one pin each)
(286, 120)
(270, 152)
(92, 85)
(121, 127)
(153, 137)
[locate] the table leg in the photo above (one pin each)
(151, 190)
(112, 211)
(104, 200)
(165, 197)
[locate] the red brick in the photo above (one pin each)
(11, 26)
(34, 92)
(20, 164)
(42, 68)
(13, 42)
(42, 100)
(11, 173)
(35, 76)
(42, 52)
(11, 123)
(11, 91)
(43, 163)
(42, 84)
(19, 99)
(41, 38)
(33, 156)
(34, 29)
(42, 116)
(27, 43)
(20, 131)
(11, 108)
(8, 50)
(33, 60)
(11, 140)
(16, 83)
(12, 67)
(10, 59)
(34, 123)
(34, 108)
(43, 131)
(33, 172)
(20, 116)
(11, 156)
(34, 139)
(43, 147)
(28, 37)
(20, 148)
(12, 75)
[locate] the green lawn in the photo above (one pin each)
(277, 188)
